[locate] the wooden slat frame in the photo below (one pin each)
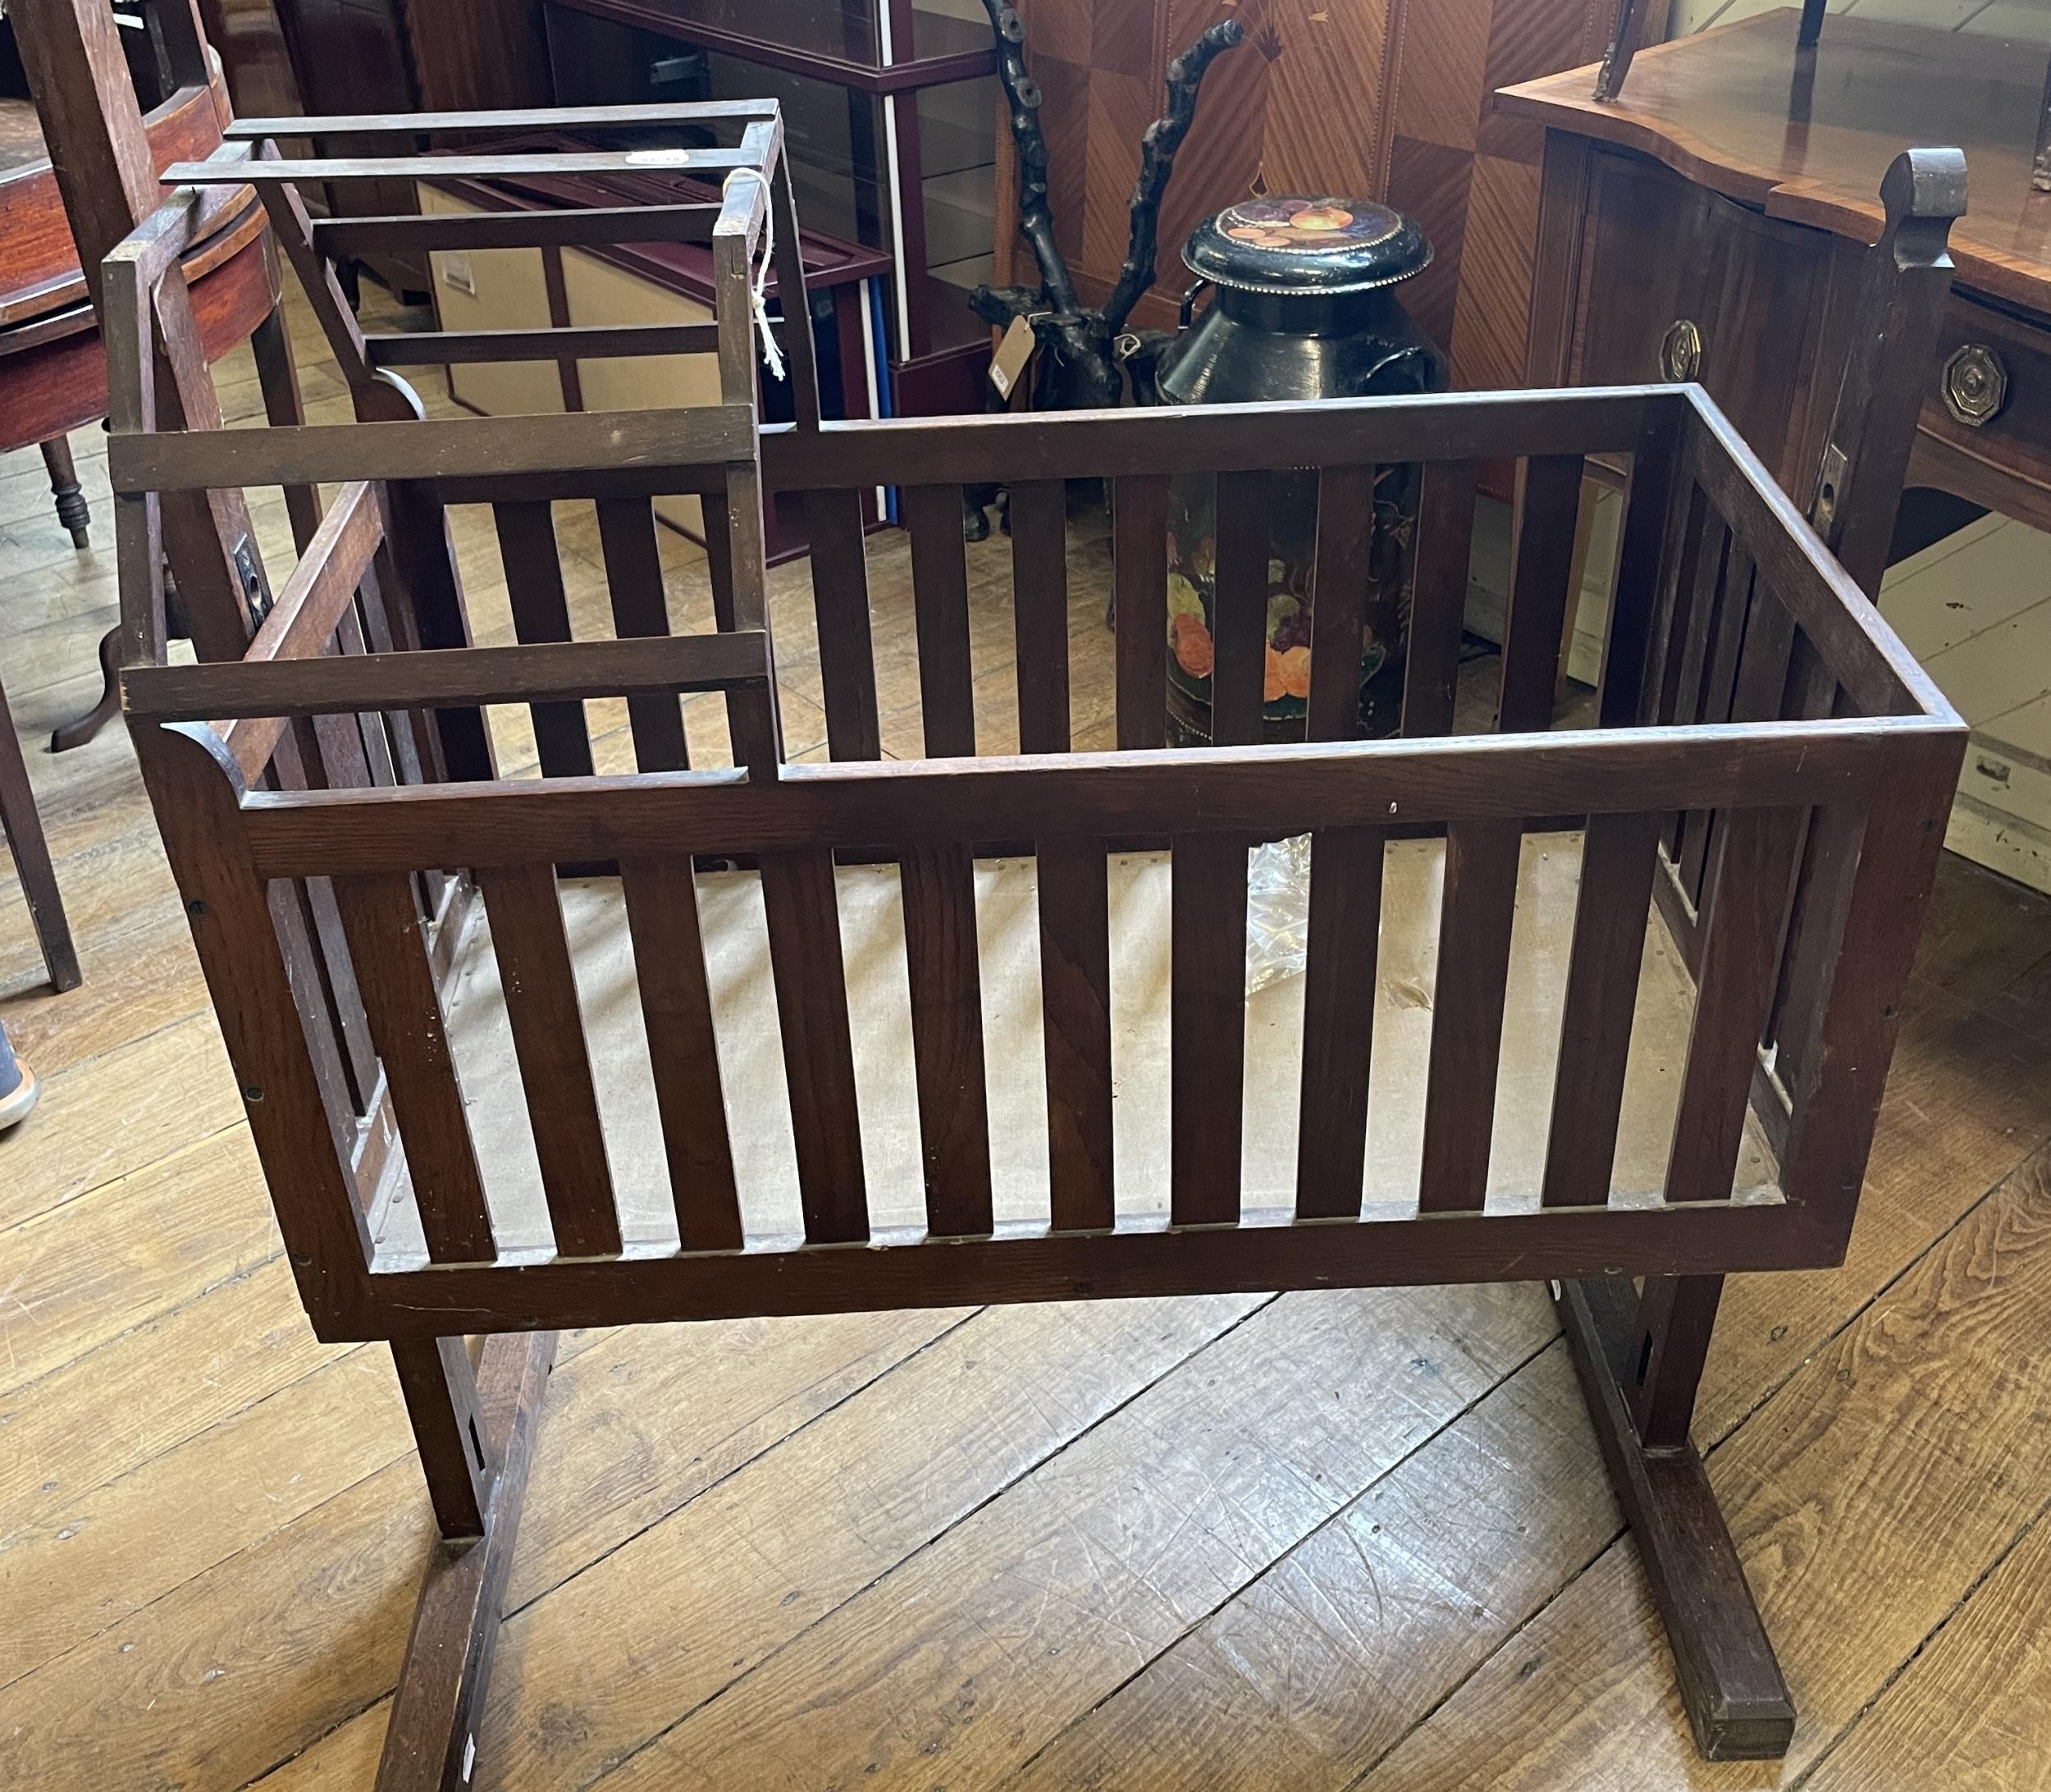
(1338, 590)
(398, 986)
(1475, 918)
(641, 611)
(540, 988)
(1618, 857)
(1270, 792)
(593, 226)
(940, 613)
(1206, 1017)
(1264, 1253)
(812, 1006)
(1074, 971)
(584, 342)
(497, 121)
(1226, 438)
(533, 571)
(1338, 984)
(1039, 612)
(840, 609)
(1139, 584)
(944, 971)
(1741, 922)
(683, 1052)
(669, 451)
(1438, 605)
(539, 673)
(1239, 608)
(453, 165)
(1541, 571)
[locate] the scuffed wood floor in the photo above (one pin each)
(1318, 1542)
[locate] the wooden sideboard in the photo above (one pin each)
(1709, 224)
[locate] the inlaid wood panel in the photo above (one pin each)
(1386, 98)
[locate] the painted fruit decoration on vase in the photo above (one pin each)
(1301, 308)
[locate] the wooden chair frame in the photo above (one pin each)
(308, 850)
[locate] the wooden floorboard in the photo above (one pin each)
(1325, 1541)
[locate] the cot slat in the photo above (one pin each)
(1676, 602)
(1760, 693)
(818, 1058)
(397, 989)
(541, 612)
(1475, 916)
(344, 1003)
(1039, 612)
(1438, 603)
(1139, 584)
(1538, 595)
(1339, 587)
(683, 1052)
(1619, 856)
(1075, 969)
(1239, 609)
(1207, 1022)
(1646, 549)
(1345, 919)
(548, 1039)
(1694, 621)
(641, 607)
(940, 615)
(840, 607)
(1734, 988)
(939, 886)
(1719, 677)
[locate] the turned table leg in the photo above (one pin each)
(71, 511)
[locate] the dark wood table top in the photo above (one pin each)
(1729, 109)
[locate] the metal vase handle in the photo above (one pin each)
(1187, 313)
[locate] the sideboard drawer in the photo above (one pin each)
(1986, 420)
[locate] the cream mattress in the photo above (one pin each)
(873, 946)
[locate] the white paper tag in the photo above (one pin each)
(1012, 353)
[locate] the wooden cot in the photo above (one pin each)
(1750, 832)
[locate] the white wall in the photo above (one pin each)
(2027, 20)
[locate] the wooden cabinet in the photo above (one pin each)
(1723, 191)
(1642, 275)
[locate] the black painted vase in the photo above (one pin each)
(1304, 306)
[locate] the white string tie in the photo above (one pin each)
(758, 301)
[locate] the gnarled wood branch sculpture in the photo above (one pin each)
(1079, 364)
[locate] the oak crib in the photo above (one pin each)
(1751, 826)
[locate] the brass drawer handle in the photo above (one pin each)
(1976, 384)
(1681, 350)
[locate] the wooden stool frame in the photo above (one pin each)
(308, 897)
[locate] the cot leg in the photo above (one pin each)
(23, 830)
(477, 1444)
(1737, 1702)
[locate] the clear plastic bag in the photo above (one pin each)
(1278, 910)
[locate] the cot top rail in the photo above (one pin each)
(760, 141)
(558, 118)
(684, 442)
(1223, 438)
(1069, 444)
(1263, 792)
(1845, 623)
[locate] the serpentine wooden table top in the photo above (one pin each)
(1730, 109)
